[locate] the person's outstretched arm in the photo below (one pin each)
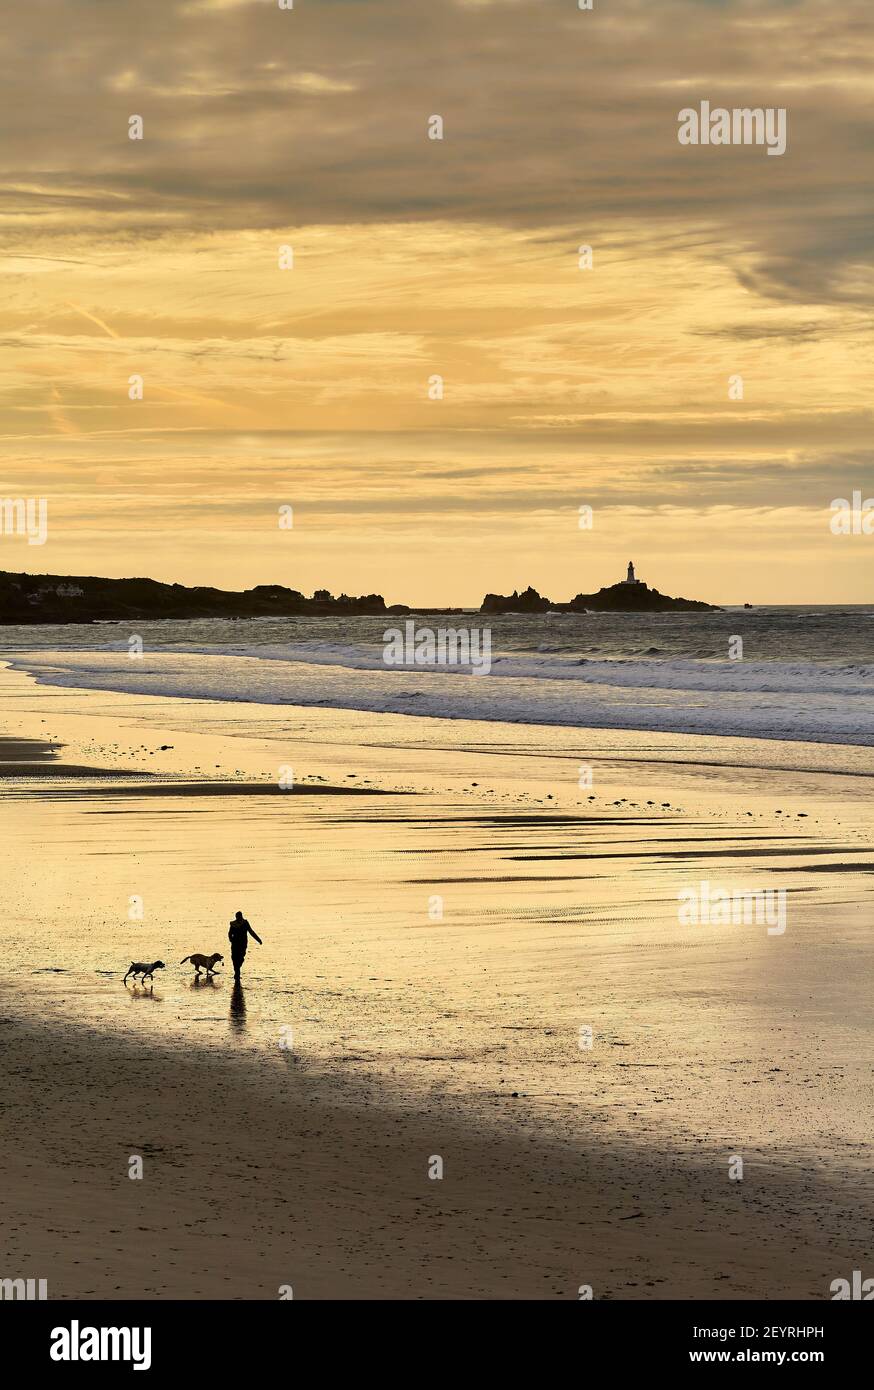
(256, 936)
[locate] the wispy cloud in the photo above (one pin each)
(415, 257)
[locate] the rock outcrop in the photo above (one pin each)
(617, 598)
(55, 598)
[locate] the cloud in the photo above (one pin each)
(260, 118)
(415, 257)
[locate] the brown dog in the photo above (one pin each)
(207, 963)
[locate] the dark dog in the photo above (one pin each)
(137, 967)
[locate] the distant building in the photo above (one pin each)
(55, 591)
(630, 578)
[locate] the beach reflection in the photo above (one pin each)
(141, 992)
(238, 1008)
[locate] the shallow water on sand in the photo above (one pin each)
(473, 955)
(456, 931)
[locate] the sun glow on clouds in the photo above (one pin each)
(412, 258)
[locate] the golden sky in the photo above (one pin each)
(413, 257)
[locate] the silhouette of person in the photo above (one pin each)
(239, 938)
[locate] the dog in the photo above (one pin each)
(137, 967)
(207, 963)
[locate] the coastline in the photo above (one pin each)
(776, 701)
(415, 1037)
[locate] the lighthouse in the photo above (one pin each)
(630, 579)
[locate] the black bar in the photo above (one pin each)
(261, 1339)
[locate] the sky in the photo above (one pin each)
(312, 386)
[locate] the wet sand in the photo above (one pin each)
(287, 1134)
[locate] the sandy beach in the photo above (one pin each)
(467, 956)
(436, 535)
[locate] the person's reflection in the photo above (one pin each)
(238, 1008)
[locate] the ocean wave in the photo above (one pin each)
(797, 701)
(709, 674)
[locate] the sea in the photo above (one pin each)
(797, 673)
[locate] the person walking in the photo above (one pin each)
(238, 936)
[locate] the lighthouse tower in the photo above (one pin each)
(630, 578)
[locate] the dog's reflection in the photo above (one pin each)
(202, 982)
(238, 1008)
(142, 992)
